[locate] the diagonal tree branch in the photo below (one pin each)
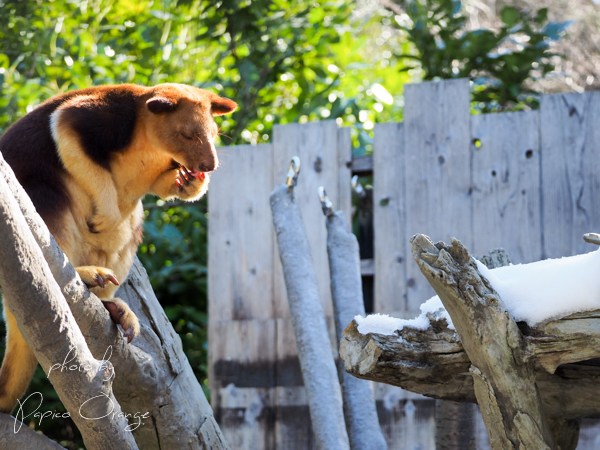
(24, 438)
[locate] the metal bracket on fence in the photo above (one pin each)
(592, 238)
(357, 187)
(293, 171)
(325, 203)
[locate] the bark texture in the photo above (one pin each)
(152, 374)
(494, 361)
(312, 339)
(455, 421)
(24, 438)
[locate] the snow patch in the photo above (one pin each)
(532, 293)
(549, 289)
(384, 324)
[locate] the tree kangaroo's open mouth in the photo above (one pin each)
(182, 168)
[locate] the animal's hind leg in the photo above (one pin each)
(17, 367)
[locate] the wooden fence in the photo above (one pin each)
(524, 181)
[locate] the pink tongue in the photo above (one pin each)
(200, 175)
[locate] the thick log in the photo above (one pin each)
(14, 434)
(433, 361)
(455, 421)
(492, 340)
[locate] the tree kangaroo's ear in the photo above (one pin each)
(220, 105)
(160, 104)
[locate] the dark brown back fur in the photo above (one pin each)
(28, 147)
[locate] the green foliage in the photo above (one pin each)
(500, 63)
(175, 255)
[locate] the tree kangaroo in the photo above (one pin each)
(87, 158)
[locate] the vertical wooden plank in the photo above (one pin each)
(506, 185)
(437, 169)
(242, 340)
(389, 219)
(570, 139)
(242, 381)
(316, 143)
(345, 172)
(293, 429)
(240, 235)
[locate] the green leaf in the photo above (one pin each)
(510, 16)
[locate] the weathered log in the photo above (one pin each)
(312, 338)
(360, 413)
(14, 434)
(455, 421)
(433, 361)
(493, 341)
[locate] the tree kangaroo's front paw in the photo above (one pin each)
(104, 220)
(121, 314)
(94, 276)
(190, 185)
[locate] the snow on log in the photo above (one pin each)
(314, 349)
(362, 422)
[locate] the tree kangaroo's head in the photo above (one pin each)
(181, 124)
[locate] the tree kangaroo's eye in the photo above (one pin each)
(189, 138)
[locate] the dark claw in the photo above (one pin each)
(179, 184)
(100, 281)
(113, 280)
(187, 172)
(184, 177)
(113, 311)
(129, 335)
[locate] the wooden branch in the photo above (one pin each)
(51, 332)
(15, 435)
(430, 362)
(152, 374)
(433, 362)
(492, 340)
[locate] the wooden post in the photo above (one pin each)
(362, 423)
(491, 338)
(312, 338)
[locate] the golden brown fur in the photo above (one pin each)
(86, 158)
